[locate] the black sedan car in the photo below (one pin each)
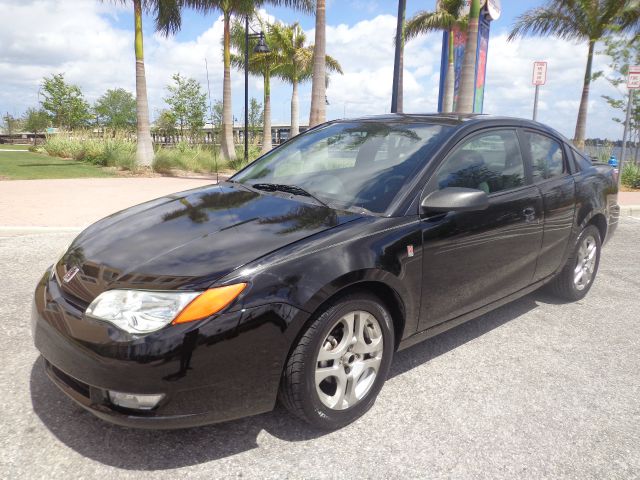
(298, 278)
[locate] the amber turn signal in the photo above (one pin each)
(209, 302)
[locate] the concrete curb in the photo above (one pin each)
(629, 210)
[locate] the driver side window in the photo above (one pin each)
(488, 161)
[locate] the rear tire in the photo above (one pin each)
(576, 277)
(340, 363)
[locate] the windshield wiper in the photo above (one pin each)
(293, 189)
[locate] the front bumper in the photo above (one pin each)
(213, 370)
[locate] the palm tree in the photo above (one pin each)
(144, 149)
(262, 64)
(447, 16)
(583, 20)
(297, 63)
(228, 8)
(398, 61)
(318, 112)
(468, 72)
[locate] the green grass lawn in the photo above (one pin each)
(6, 146)
(28, 166)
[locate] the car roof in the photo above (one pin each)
(458, 120)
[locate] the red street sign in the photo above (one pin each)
(539, 73)
(633, 80)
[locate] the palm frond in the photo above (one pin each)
(424, 22)
(168, 16)
(305, 6)
(629, 20)
(333, 65)
(550, 20)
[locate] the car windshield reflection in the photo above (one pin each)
(354, 165)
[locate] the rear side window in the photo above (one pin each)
(489, 161)
(582, 162)
(547, 157)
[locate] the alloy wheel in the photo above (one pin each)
(585, 262)
(349, 360)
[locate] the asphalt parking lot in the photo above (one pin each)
(535, 389)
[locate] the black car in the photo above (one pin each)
(298, 278)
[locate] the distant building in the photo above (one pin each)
(279, 133)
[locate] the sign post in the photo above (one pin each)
(633, 83)
(539, 78)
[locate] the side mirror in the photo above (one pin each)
(455, 199)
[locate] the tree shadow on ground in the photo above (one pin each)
(158, 450)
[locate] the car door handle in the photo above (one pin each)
(529, 214)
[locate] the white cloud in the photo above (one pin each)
(509, 90)
(79, 38)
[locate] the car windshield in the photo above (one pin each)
(352, 165)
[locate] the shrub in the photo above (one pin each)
(601, 153)
(631, 175)
(238, 163)
(113, 151)
(195, 158)
(118, 153)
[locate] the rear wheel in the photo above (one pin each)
(340, 363)
(578, 274)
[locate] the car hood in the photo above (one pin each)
(190, 239)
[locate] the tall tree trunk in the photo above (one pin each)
(468, 73)
(318, 112)
(266, 117)
(581, 123)
(396, 94)
(295, 128)
(227, 144)
(449, 81)
(144, 149)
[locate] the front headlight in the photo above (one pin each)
(144, 311)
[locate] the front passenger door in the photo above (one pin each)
(474, 258)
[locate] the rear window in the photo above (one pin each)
(547, 157)
(581, 161)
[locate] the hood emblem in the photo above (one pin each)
(70, 274)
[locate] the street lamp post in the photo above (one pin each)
(261, 47)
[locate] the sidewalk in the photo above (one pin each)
(629, 203)
(71, 204)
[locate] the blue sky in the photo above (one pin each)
(92, 44)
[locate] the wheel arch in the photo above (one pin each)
(365, 281)
(600, 222)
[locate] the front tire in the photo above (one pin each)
(576, 278)
(340, 363)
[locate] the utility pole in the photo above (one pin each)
(627, 120)
(246, 89)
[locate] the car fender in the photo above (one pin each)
(386, 251)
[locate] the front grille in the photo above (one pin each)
(80, 387)
(74, 301)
